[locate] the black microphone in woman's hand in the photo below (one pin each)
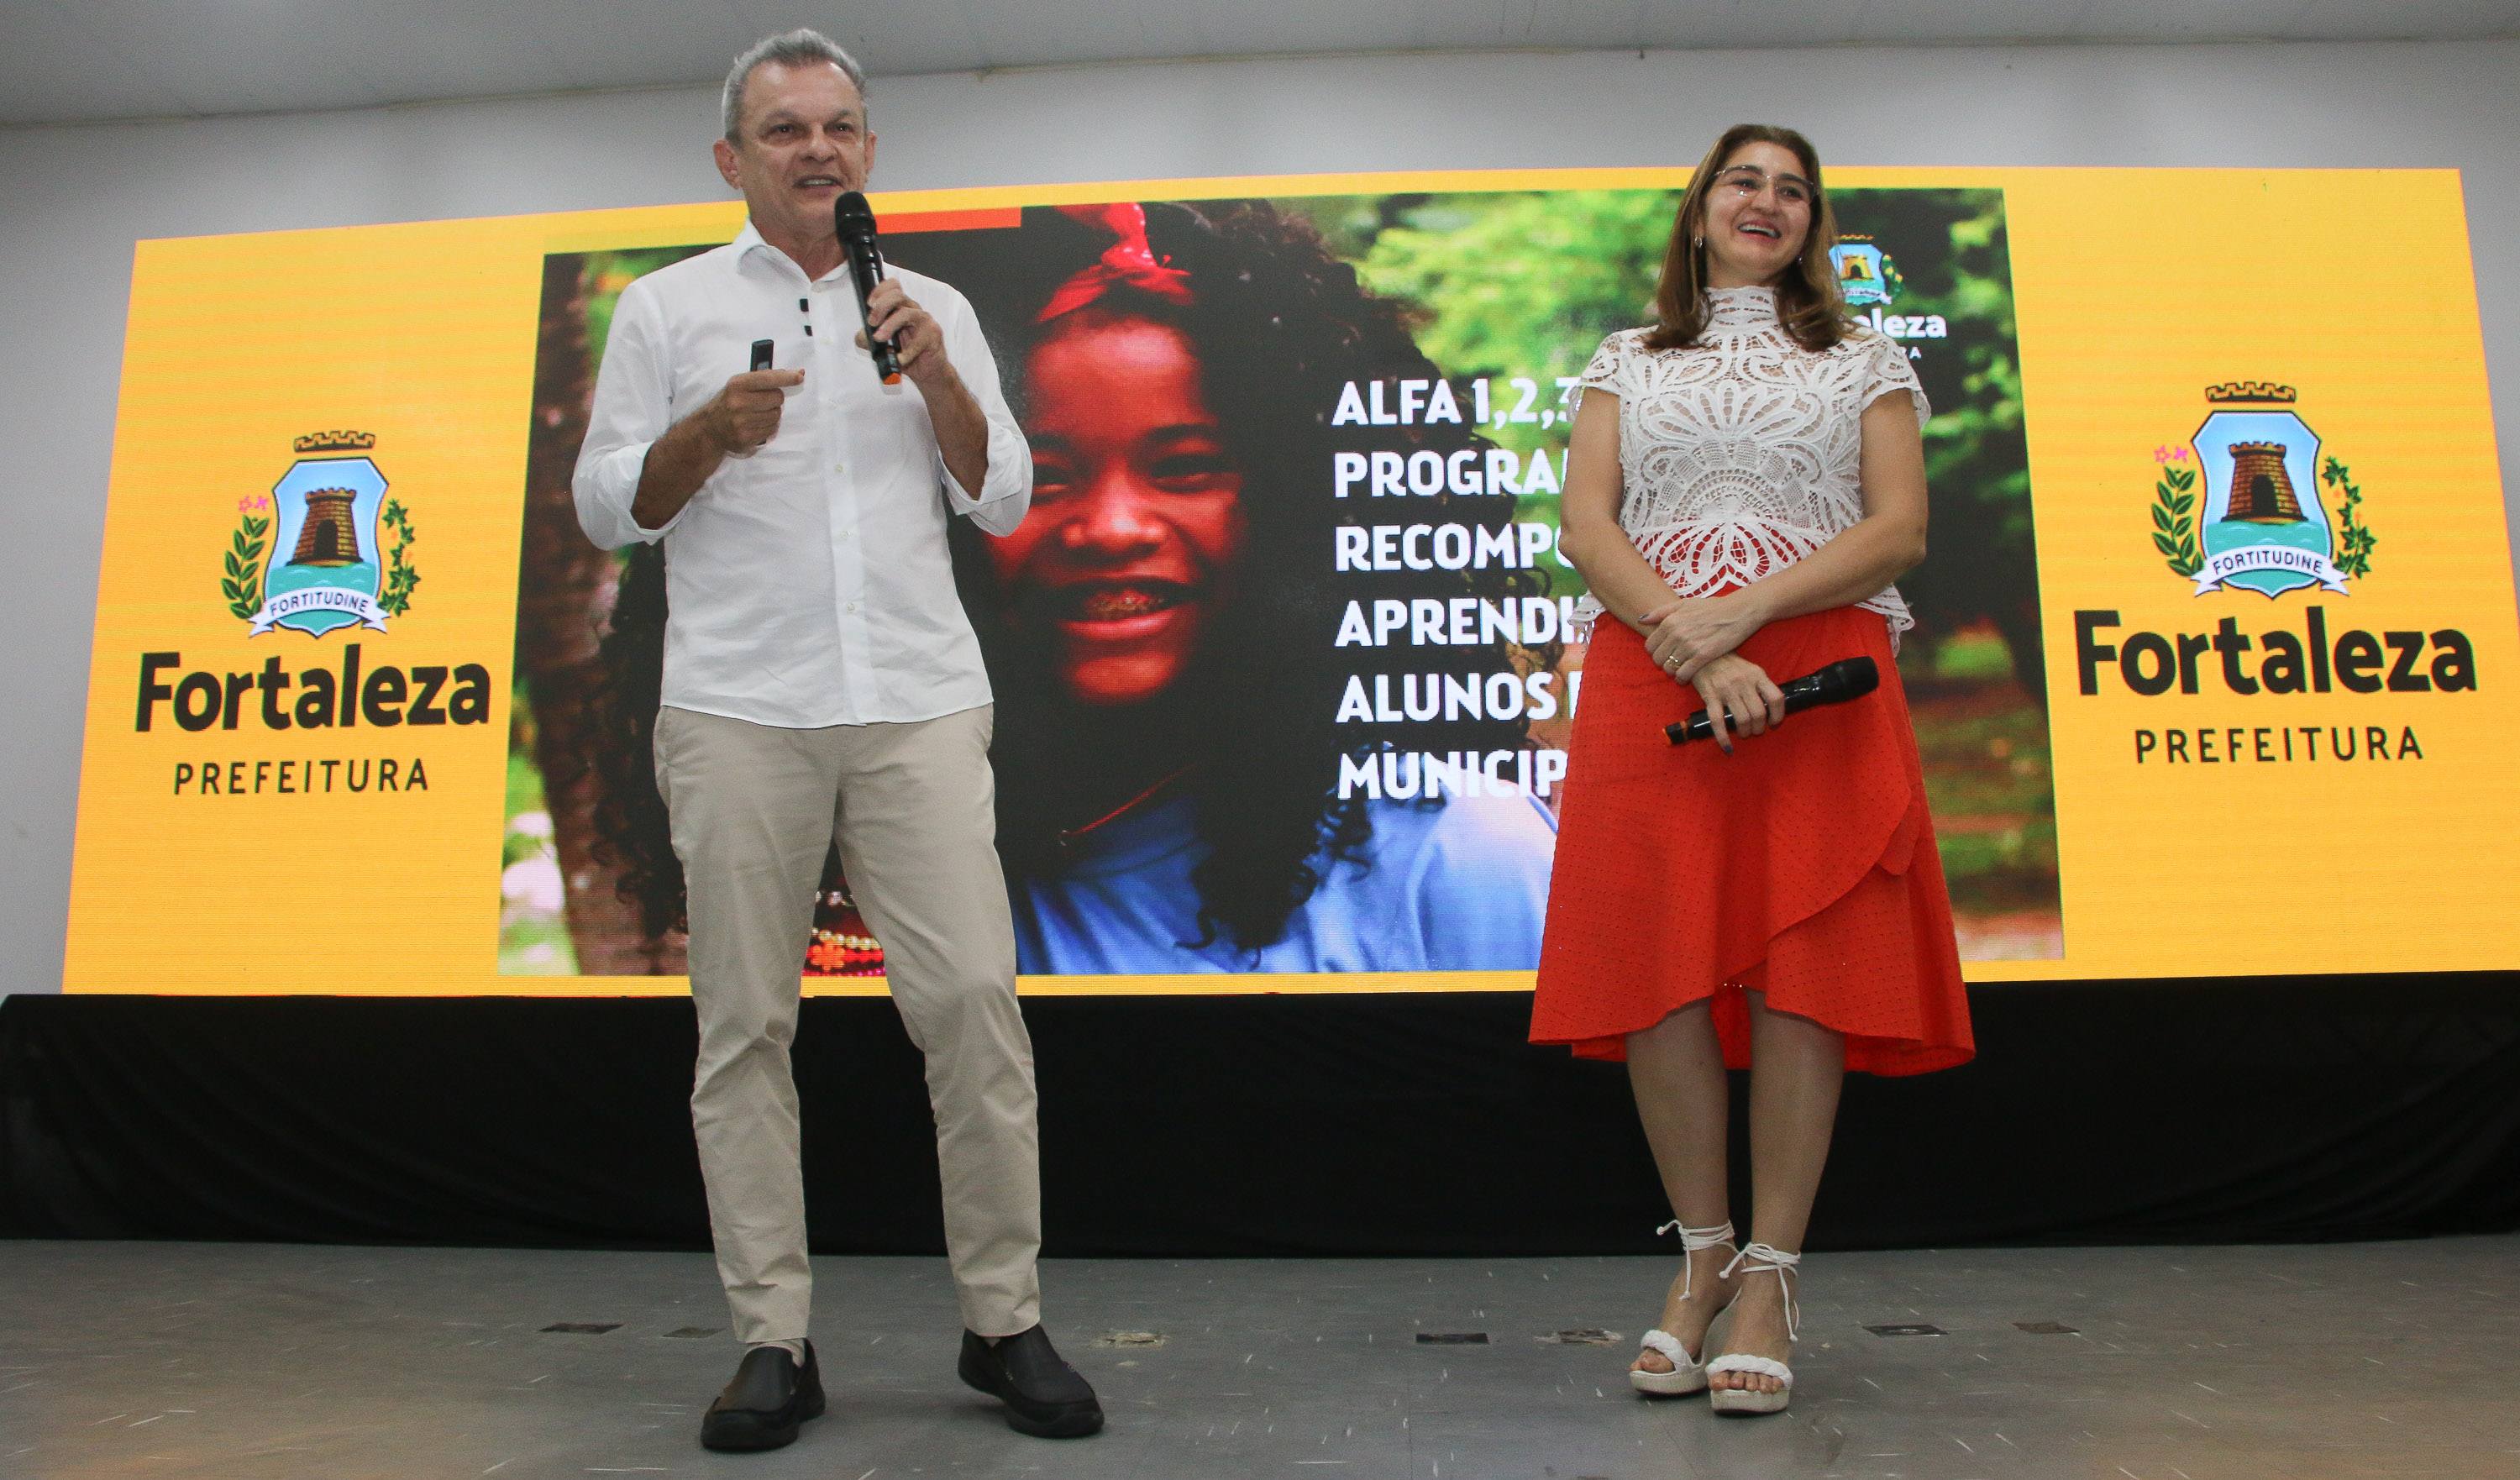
(855, 222)
(1843, 680)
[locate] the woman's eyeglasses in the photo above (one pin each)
(1747, 181)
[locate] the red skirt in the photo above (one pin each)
(1802, 864)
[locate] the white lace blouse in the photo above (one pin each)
(1741, 454)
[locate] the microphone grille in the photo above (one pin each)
(1854, 676)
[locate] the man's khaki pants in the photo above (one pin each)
(913, 808)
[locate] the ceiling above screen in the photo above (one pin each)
(74, 59)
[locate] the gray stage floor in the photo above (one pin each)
(270, 1362)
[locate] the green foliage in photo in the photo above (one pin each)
(1526, 283)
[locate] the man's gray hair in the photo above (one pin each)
(801, 47)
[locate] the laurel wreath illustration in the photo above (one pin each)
(2354, 539)
(401, 577)
(2174, 520)
(242, 583)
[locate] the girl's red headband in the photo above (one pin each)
(1128, 262)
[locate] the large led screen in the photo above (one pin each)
(2215, 618)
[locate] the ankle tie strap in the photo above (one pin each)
(1766, 1258)
(1690, 1241)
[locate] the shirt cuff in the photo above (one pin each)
(1009, 477)
(609, 489)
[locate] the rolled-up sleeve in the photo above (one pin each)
(633, 407)
(1006, 492)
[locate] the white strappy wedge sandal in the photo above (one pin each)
(1760, 1258)
(1687, 1375)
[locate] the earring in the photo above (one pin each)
(1698, 243)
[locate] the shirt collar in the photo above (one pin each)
(750, 240)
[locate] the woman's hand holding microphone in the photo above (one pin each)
(1693, 639)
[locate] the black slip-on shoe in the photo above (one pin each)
(770, 1396)
(1044, 1396)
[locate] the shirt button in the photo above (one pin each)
(839, 467)
(850, 607)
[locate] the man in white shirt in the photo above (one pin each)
(821, 685)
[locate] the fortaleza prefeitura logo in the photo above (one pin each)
(2264, 527)
(328, 549)
(1865, 272)
(1869, 278)
(2278, 511)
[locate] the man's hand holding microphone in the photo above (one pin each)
(918, 341)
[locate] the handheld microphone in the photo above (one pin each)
(1843, 680)
(855, 223)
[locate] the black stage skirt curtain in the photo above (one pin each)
(2202, 1110)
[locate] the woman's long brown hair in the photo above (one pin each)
(1808, 302)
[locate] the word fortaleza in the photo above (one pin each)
(2151, 664)
(387, 697)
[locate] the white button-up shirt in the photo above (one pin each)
(810, 582)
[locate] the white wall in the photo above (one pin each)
(74, 199)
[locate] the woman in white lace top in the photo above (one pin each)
(1745, 481)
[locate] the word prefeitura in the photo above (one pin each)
(298, 778)
(2277, 744)
(2441, 661)
(384, 697)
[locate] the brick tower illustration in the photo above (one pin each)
(2261, 490)
(328, 538)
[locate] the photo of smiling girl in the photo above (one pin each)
(1162, 627)
(1168, 638)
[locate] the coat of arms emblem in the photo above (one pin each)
(312, 556)
(2262, 526)
(1865, 272)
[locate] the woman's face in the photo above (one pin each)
(1757, 215)
(1137, 522)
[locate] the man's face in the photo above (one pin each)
(802, 143)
